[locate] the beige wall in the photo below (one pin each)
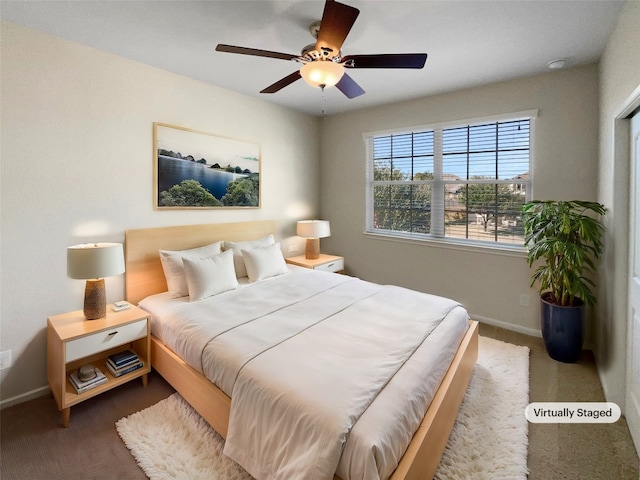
(487, 283)
(619, 78)
(77, 166)
(76, 157)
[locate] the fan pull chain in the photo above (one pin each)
(324, 103)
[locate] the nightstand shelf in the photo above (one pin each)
(73, 341)
(327, 263)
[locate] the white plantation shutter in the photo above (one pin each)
(461, 181)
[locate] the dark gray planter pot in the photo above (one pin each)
(562, 330)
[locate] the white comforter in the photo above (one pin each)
(303, 356)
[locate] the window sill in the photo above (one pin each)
(453, 244)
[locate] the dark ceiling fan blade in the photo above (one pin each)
(254, 51)
(390, 60)
(337, 20)
(280, 84)
(349, 87)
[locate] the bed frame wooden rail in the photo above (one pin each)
(144, 277)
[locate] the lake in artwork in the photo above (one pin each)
(172, 171)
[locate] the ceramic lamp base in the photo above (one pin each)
(312, 251)
(95, 299)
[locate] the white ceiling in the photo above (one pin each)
(469, 43)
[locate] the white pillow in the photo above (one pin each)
(173, 268)
(237, 248)
(264, 262)
(209, 276)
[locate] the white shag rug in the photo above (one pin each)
(169, 440)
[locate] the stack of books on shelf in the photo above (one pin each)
(123, 362)
(83, 386)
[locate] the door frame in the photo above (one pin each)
(622, 147)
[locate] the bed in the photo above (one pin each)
(145, 279)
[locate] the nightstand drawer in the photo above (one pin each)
(104, 340)
(334, 266)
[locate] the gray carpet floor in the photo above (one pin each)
(34, 446)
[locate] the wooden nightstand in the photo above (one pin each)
(328, 263)
(73, 341)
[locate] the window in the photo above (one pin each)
(463, 182)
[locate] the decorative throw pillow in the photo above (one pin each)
(209, 276)
(264, 262)
(237, 248)
(173, 268)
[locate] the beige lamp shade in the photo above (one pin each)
(313, 228)
(93, 262)
(313, 231)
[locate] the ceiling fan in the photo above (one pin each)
(323, 63)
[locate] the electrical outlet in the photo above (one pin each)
(524, 300)
(5, 359)
(293, 248)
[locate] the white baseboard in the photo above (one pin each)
(23, 397)
(507, 326)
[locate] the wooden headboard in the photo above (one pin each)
(144, 275)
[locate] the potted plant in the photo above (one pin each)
(567, 236)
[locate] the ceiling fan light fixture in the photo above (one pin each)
(322, 73)
(323, 63)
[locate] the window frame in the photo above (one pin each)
(438, 182)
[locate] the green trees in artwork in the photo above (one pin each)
(187, 194)
(243, 192)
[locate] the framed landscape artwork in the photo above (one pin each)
(201, 170)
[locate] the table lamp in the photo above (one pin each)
(92, 262)
(313, 231)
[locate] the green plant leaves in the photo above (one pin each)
(568, 237)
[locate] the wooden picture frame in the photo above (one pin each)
(199, 170)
